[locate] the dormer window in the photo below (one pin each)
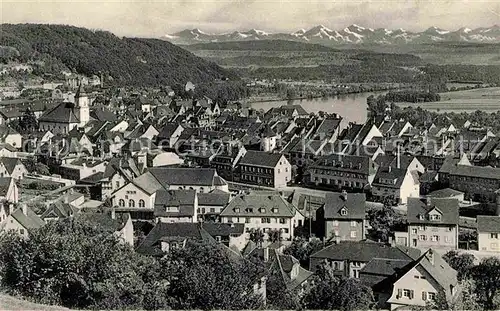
(343, 211)
(236, 209)
(262, 210)
(435, 217)
(274, 210)
(421, 217)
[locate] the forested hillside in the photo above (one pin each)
(129, 61)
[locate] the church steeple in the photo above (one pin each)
(82, 105)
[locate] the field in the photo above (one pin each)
(14, 304)
(487, 99)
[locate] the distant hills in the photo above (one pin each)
(353, 34)
(128, 61)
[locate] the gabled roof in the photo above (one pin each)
(10, 163)
(390, 173)
(103, 114)
(286, 265)
(5, 183)
(364, 251)
(449, 209)
(489, 224)
(213, 198)
(476, 171)
(29, 220)
(148, 183)
(353, 203)
(62, 113)
(259, 204)
(184, 200)
(261, 158)
(185, 176)
(59, 210)
(348, 163)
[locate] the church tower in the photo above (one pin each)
(82, 106)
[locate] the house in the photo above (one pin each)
(478, 183)
(418, 283)
(211, 204)
(8, 190)
(348, 258)
(137, 197)
(166, 236)
(262, 210)
(343, 172)
(12, 167)
(287, 268)
(488, 233)
(433, 223)
(265, 169)
(344, 216)
(22, 220)
(10, 136)
(199, 179)
(58, 210)
(176, 206)
(64, 117)
(396, 184)
(226, 159)
(120, 224)
(81, 168)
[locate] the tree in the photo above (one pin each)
(334, 293)
(78, 264)
(302, 249)
(203, 276)
(257, 236)
(486, 276)
(462, 263)
(382, 222)
(274, 235)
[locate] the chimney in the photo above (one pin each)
(344, 195)
(430, 256)
(389, 169)
(266, 254)
(66, 199)
(399, 158)
(497, 193)
(428, 201)
(337, 239)
(24, 208)
(113, 213)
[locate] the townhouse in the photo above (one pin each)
(176, 206)
(488, 233)
(433, 223)
(264, 169)
(343, 215)
(262, 210)
(396, 184)
(343, 172)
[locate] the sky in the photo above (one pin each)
(155, 18)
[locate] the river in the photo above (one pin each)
(352, 107)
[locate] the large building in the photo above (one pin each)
(343, 172)
(478, 183)
(433, 223)
(265, 169)
(64, 117)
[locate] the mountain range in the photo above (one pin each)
(353, 34)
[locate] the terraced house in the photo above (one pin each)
(265, 169)
(262, 210)
(478, 183)
(433, 223)
(339, 172)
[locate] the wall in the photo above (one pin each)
(486, 243)
(344, 229)
(442, 231)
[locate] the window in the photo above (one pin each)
(447, 239)
(282, 221)
(121, 203)
(203, 210)
(431, 296)
(274, 210)
(247, 220)
(343, 212)
(424, 296)
(353, 234)
(218, 238)
(408, 293)
(434, 238)
(353, 223)
(421, 228)
(435, 217)
(422, 237)
(414, 231)
(117, 184)
(21, 231)
(212, 210)
(493, 235)
(131, 203)
(142, 203)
